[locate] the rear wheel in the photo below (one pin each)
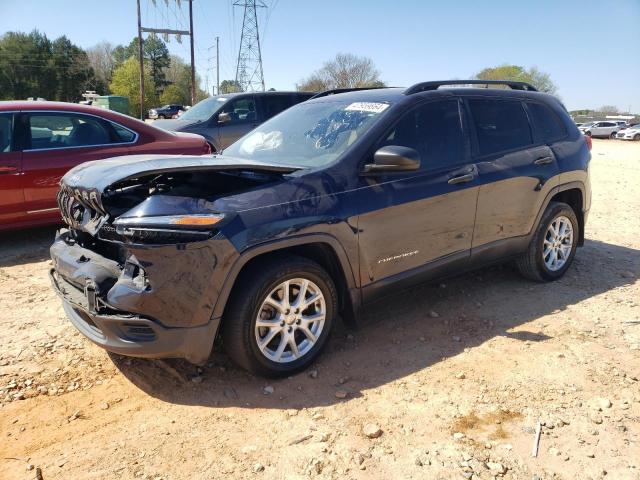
(553, 246)
(280, 315)
(636, 137)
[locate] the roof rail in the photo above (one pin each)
(333, 91)
(426, 86)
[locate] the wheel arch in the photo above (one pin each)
(323, 249)
(573, 195)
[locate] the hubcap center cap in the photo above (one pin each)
(290, 319)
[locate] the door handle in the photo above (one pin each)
(543, 161)
(461, 179)
(8, 169)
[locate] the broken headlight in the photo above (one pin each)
(167, 229)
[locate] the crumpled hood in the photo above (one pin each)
(98, 175)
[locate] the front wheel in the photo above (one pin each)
(636, 137)
(553, 245)
(280, 315)
(612, 136)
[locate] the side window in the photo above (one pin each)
(241, 111)
(545, 122)
(123, 134)
(272, 105)
(6, 123)
(500, 125)
(435, 131)
(60, 130)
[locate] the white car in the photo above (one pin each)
(600, 129)
(630, 133)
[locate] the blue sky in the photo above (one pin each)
(590, 48)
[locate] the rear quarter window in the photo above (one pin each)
(500, 125)
(546, 123)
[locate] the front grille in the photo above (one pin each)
(78, 207)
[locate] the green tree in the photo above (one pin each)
(74, 73)
(33, 66)
(156, 57)
(230, 86)
(174, 94)
(541, 80)
(126, 82)
(346, 70)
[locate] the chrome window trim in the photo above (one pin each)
(135, 139)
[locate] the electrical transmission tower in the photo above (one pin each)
(249, 73)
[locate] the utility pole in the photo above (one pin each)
(217, 57)
(167, 31)
(249, 74)
(141, 64)
(193, 63)
(218, 65)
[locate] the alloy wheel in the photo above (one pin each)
(290, 320)
(558, 243)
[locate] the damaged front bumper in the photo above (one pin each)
(153, 302)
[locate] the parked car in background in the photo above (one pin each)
(225, 118)
(600, 129)
(629, 133)
(166, 111)
(333, 203)
(40, 141)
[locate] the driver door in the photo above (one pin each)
(414, 223)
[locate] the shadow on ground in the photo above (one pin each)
(398, 336)
(25, 246)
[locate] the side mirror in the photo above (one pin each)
(224, 117)
(394, 158)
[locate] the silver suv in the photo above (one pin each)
(605, 129)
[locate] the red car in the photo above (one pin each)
(40, 141)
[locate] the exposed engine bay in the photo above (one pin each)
(204, 186)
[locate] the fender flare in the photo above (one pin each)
(276, 245)
(552, 193)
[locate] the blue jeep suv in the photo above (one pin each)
(325, 207)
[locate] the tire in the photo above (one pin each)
(263, 281)
(612, 136)
(161, 117)
(636, 137)
(532, 264)
(587, 133)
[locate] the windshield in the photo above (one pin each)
(203, 110)
(309, 134)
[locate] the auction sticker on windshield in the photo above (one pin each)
(372, 107)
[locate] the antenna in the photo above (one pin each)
(249, 74)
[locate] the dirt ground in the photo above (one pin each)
(450, 378)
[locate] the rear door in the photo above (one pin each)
(11, 192)
(244, 118)
(517, 170)
(56, 142)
